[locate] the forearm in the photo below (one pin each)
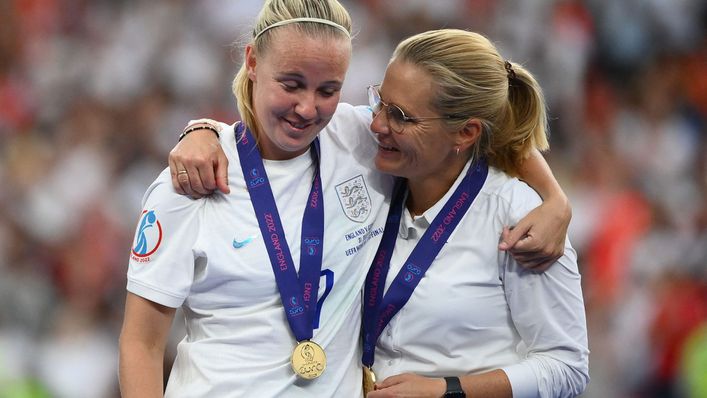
(493, 384)
(141, 371)
(537, 173)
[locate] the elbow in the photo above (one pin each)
(563, 377)
(578, 380)
(133, 351)
(580, 371)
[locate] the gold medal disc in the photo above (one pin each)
(308, 360)
(369, 380)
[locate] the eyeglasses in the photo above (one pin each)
(397, 119)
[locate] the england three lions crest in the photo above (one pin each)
(354, 198)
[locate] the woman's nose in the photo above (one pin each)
(379, 124)
(306, 106)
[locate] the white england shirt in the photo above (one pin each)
(476, 309)
(208, 256)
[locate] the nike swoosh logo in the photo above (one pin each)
(238, 244)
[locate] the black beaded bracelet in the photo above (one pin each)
(199, 127)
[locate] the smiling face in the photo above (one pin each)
(424, 148)
(296, 88)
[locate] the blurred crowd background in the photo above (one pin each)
(94, 93)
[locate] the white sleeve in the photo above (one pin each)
(548, 311)
(161, 265)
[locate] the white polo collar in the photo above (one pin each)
(414, 227)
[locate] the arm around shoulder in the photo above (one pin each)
(538, 239)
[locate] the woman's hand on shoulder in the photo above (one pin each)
(411, 386)
(538, 240)
(197, 163)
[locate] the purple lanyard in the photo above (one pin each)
(298, 294)
(378, 310)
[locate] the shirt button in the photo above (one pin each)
(390, 363)
(389, 333)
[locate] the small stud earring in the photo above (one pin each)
(456, 150)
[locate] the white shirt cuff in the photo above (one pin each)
(523, 381)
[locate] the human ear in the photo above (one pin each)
(250, 61)
(468, 134)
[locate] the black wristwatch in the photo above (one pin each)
(454, 388)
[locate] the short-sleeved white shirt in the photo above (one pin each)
(208, 257)
(476, 309)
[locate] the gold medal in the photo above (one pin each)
(308, 360)
(369, 380)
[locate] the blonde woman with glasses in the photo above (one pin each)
(446, 313)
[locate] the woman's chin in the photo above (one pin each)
(385, 165)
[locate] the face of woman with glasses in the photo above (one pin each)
(414, 141)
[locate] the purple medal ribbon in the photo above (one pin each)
(298, 294)
(378, 310)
